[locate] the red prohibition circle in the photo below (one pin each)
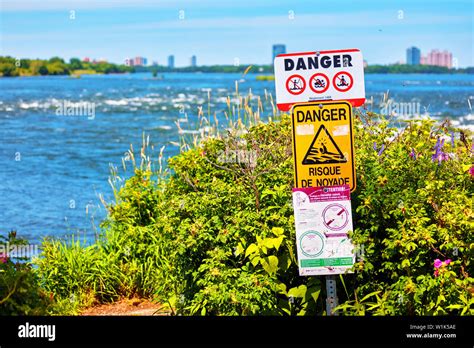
(295, 91)
(334, 81)
(311, 83)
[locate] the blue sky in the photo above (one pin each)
(218, 32)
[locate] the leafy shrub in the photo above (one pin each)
(414, 205)
(20, 293)
(215, 235)
(232, 229)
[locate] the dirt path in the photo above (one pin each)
(135, 306)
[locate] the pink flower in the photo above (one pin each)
(3, 258)
(471, 171)
(439, 265)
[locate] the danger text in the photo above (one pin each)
(321, 115)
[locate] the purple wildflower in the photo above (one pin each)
(438, 263)
(413, 154)
(471, 171)
(439, 155)
(447, 262)
(381, 150)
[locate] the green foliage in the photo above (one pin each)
(411, 209)
(57, 68)
(78, 273)
(9, 66)
(20, 293)
(214, 234)
(75, 64)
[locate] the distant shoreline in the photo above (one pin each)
(259, 76)
(11, 67)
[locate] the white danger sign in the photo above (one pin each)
(322, 75)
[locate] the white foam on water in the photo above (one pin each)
(33, 105)
(469, 117)
(116, 102)
(188, 131)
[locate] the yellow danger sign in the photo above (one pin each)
(323, 144)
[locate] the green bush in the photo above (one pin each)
(215, 234)
(20, 293)
(413, 205)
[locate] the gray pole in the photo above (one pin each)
(331, 301)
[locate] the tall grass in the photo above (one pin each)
(129, 257)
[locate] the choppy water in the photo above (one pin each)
(53, 167)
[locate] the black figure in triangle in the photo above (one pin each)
(323, 149)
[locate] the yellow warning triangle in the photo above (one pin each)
(323, 149)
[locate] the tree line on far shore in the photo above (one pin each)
(10, 66)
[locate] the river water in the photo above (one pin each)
(53, 167)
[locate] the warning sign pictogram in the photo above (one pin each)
(323, 146)
(335, 217)
(319, 83)
(323, 149)
(343, 81)
(295, 84)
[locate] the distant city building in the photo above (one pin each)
(171, 62)
(140, 61)
(365, 64)
(438, 58)
(86, 59)
(193, 61)
(278, 49)
(154, 63)
(413, 56)
(129, 62)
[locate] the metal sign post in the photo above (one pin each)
(331, 300)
